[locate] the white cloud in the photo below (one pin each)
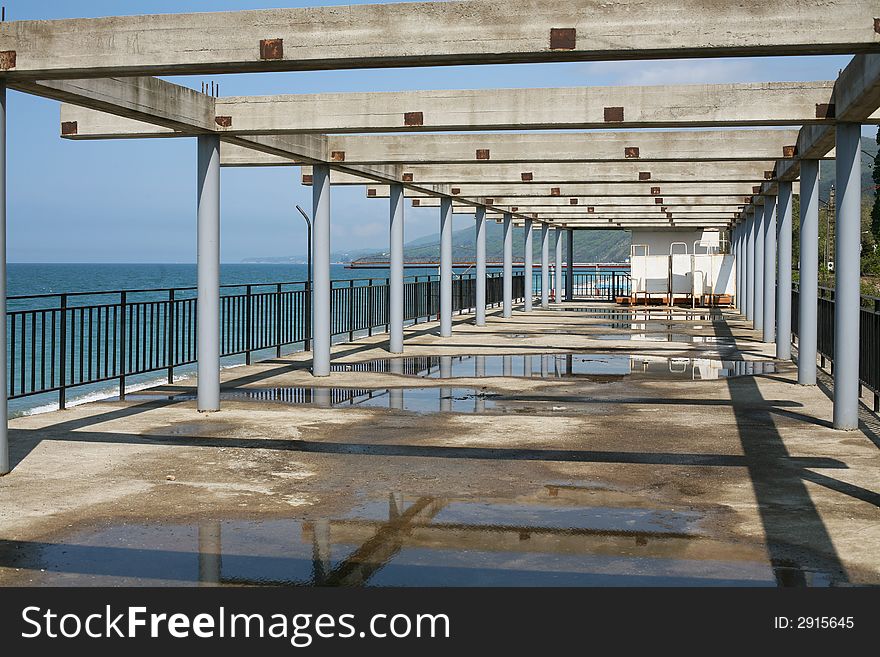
(694, 71)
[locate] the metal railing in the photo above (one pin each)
(869, 335)
(60, 341)
(591, 285)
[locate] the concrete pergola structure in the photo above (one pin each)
(103, 65)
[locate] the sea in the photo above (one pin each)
(25, 279)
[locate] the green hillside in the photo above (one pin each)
(589, 246)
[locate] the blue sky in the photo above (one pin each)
(134, 201)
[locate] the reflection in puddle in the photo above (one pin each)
(666, 337)
(424, 400)
(552, 540)
(678, 314)
(561, 365)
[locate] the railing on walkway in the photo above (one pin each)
(869, 336)
(60, 341)
(591, 285)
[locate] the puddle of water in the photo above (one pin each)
(410, 541)
(421, 400)
(665, 337)
(560, 365)
(679, 314)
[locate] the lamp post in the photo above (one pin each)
(308, 280)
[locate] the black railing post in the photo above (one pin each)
(123, 342)
(62, 392)
(307, 320)
(278, 321)
(351, 310)
(370, 307)
(248, 330)
(172, 335)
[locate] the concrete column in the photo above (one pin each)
(569, 277)
(395, 272)
(769, 316)
(210, 553)
(545, 266)
(321, 270)
(557, 245)
(783, 264)
(808, 287)
(480, 217)
(758, 268)
(208, 273)
(4, 430)
(445, 267)
(528, 265)
(847, 277)
(507, 265)
(749, 272)
(395, 395)
(737, 255)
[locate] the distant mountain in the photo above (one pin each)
(827, 173)
(589, 246)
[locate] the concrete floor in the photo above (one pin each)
(608, 479)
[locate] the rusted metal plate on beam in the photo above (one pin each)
(7, 60)
(527, 176)
(655, 191)
(482, 153)
(337, 156)
(223, 121)
(271, 49)
(456, 190)
(644, 175)
(825, 110)
(407, 177)
(69, 127)
(554, 191)
(631, 152)
(413, 118)
(563, 38)
(613, 114)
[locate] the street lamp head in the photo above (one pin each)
(305, 216)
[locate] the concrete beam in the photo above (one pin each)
(660, 106)
(170, 105)
(620, 202)
(856, 99)
(430, 34)
(590, 210)
(645, 190)
(498, 148)
(530, 175)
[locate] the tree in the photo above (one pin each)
(875, 212)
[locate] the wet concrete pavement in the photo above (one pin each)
(559, 459)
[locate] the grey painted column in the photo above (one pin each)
(480, 315)
(758, 268)
(768, 330)
(557, 245)
(208, 273)
(4, 429)
(321, 269)
(395, 272)
(847, 277)
(445, 267)
(808, 286)
(545, 265)
(569, 277)
(507, 266)
(528, 266)
(750, 265)
(737, 254)
(783, 263)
